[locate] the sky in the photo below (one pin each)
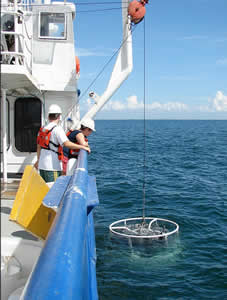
(184, 72)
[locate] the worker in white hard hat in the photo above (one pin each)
(50, 141)
(79, 137)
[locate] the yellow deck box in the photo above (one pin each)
(28, 210)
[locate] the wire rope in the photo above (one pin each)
(76, 3)
(97, 3)
(99, 10)
(144, 123)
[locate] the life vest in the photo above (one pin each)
(43, 139)
(73, 153)
(68, 133)
(60, 152)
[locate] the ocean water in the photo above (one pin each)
(184, 170)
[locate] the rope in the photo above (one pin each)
(93, 10)
(144, 124)
(98, 10)
(96, 3)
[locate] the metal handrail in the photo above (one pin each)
(18, 38)
(12, 33)
(12, 53)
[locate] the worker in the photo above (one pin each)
(80, 137)
(50, 140)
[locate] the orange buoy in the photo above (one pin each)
(137, 10)
(77, 65)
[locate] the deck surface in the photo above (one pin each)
(9, 228)
(9, 190)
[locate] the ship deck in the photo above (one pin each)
(9, 228)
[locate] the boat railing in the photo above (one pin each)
(66, 268)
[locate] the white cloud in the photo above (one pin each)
(169, 106)
(178, 78)
(195, 37)
(213, 107)
(117, 106)
(221, 40)
(93, 52)
(132, 103)
(222, 61)
(204, 108)
(219, 103)
(113, 105)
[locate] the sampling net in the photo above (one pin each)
(144, 228)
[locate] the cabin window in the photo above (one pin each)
(27, 123)
(52, 25)
(7, 38)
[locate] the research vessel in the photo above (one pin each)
(40, 67)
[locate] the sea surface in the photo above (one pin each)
(182, 167)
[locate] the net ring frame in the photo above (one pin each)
(157, 236)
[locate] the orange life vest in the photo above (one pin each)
(43, 139)
(60, 152)
(74, 152)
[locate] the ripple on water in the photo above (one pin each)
(186, 169)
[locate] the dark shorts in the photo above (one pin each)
(49, 176)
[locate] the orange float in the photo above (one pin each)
(137, 10)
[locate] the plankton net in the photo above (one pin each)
(144, 228)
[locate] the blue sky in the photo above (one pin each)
(186, 59)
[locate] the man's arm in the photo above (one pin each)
(73, 146)
(38, 155)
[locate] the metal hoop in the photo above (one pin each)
(129, 229)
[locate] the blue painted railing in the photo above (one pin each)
(66, 268)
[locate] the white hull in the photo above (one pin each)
(18, 258)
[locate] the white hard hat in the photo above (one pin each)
(54, 109)
(88, 123)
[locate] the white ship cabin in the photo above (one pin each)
(38, 68)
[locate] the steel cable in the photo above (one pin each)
(144, 124)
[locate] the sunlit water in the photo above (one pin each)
(185, 178)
